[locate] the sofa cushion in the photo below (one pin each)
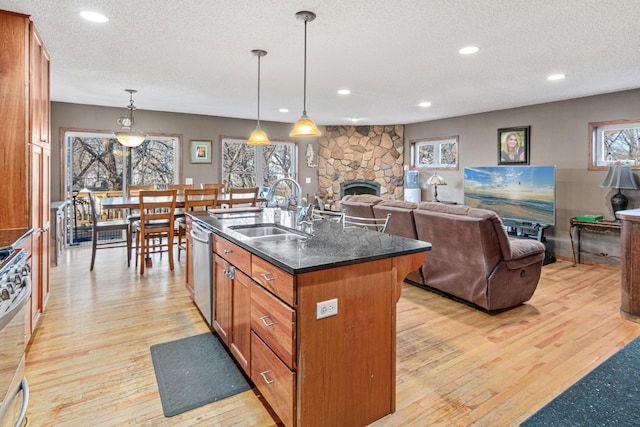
(360, 205)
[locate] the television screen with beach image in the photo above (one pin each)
(521, 193)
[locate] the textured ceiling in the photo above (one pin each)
(195, 56)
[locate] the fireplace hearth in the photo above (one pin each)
(359, 186)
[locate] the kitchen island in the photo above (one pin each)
(311, 318)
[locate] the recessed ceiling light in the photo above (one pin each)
(354, 119)
(556, 77)
(344, 92)
(93, 16)
(284, 110)
(468, 50)
(425, 104)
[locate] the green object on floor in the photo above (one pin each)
(194, 371)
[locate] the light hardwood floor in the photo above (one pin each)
(89, 362)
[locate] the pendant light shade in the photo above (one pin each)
(305, 126)
(129, 135)
(258, 137)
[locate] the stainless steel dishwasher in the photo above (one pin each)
(203, 270)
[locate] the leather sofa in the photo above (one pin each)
(472, 257)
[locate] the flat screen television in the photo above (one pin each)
(520, 193)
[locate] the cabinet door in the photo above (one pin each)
(39, 83)
(45, 225)
(222, 298)
(241, 320)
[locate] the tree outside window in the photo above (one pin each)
(614, 141)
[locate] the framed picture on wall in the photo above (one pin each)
(513, 145)
(201, 151)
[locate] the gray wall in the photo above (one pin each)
(189, 126)
(559, 136)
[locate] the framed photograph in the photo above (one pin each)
(200, 151)
(513, 145)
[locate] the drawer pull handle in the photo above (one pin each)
(265, 322)
(264, 377)
(267, 278)
(227, 251)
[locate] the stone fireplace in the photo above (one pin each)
(367, 159)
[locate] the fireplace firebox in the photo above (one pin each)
(359, 186)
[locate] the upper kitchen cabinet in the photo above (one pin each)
(14, 120)
(25, 152)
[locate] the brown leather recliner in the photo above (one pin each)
(359, 204)
(401, 223)
(473, 258)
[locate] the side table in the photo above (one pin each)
(597, 227)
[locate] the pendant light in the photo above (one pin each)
(258, 137)
(305, 126)
(129, 135)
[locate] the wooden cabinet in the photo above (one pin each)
(312, 370)
(25, 148)
(232, 299)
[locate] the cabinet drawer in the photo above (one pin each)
(272, 278)
(274, 380)
(274, 322)
(237, 256)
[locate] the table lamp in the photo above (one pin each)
(436, 180)
(619, 177)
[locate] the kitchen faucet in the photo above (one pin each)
(302, 211)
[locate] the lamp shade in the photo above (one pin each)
(436, 179)
(258, 137)
(305, 127)
(620, 176)
(129, 135)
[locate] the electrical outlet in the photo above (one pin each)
(188, 181)
(326, 308)
(307, 180)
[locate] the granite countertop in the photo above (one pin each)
(328, 244)
(10, 238)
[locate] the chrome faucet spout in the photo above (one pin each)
(272, 191)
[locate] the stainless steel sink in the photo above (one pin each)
(269, 232)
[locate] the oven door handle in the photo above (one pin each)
(25, 401)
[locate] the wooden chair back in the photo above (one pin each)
(200, 199)
(180, 188)
(243, 196)
(219, 187)
(134, 190)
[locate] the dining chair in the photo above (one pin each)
(195, 200)
(243, 196)
(157, 210)
(322, 215)
(104, 227)
(180, 188)
(219, 187)
(134, 190)
(376, 224)
(134, 215)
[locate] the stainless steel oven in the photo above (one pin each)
(15, 288)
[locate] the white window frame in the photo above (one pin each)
(438, 144)
(598, 154)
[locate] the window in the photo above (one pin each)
(614, 141)
(95, 161)
(257, 165)
(435, 153)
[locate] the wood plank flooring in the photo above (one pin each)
(89, 361)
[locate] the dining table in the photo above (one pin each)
(133, 202)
